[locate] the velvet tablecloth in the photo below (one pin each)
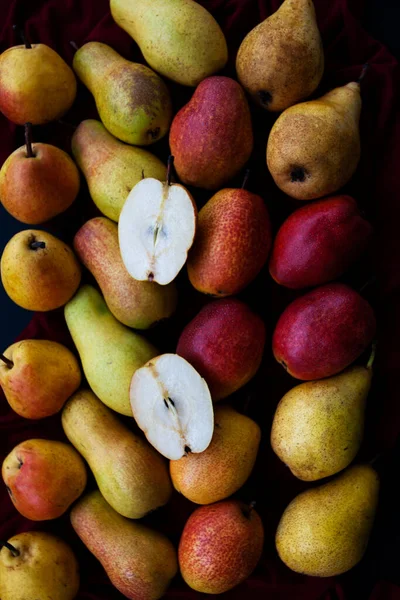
(376, 186)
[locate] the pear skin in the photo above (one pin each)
(137, 304)
(131, 475)
(110, 352)
(133, 102)
(318, 426)
(281, 60)
(325, 530)
(111, 168)
(225, 465)
(314, 147)
(178, 38)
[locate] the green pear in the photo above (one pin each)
(314, 147)
(318, 425)
(111, 168)
(133, 102)
(325, 530)
(139, 561)
(178, 38)
(131, 475)
(109, 351)
(37, 566)
(281, 60)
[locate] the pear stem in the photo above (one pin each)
(28, 140)
(35, 245)
(9, 363)
(245, 179)
(169, 169)
(10, 547)
(363, 72)
(372, 357)
(22, 37)
(74, 45)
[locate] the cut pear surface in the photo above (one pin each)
(172, 404)
(156, 229)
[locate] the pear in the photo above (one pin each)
(281, 60)
(318, 426)
(139, 561)
(38, 565)
(225, 465)
(132, 477)
(137, 304)
(111, 167)
(325, 530)
(314, 147)
(133, 102)
(109, 351)
(178, 38)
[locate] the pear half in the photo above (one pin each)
(157, 226)
(172, 404)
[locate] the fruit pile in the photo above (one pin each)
(181, 435)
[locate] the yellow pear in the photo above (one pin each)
(318, 425)
(131, 475)
(37, 565)
(314, 147)
(281, 60)
(139, 561)
(225, 465)
(325, 530)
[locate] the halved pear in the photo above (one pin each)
(156, 229)
(172, 404)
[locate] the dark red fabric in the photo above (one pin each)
(375, 186)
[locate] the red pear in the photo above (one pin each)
(225, 344)
(323, 332)
(318, 242)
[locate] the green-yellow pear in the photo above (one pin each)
(109, 351)
(314, 147)
(225, 465)
(281, 60)
(178, 38)
(139, 561)
(133, 102)
(37, 566)
(137, 304)
(131, 475)
(318, 425)
(325, 530)
(111, 168)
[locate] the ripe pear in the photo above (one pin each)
(220, 546)
(133, 102)
(43, 478)
(137, 304)
(178, 38)
(111, 168)
(132, 477)
(324, 531)
(38, 565)
(109, 351)
(281, 60)
(318, 426)
(314, 147)
(38, 271)
(38, 377)
(139, 561)
(211, 137)
(225, 465)
(36, 85)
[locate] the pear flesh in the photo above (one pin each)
(172, 404)
(156, 229)
(281, 60)
(325, 530)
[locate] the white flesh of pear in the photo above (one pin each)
(156, 229)
(172, 404)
